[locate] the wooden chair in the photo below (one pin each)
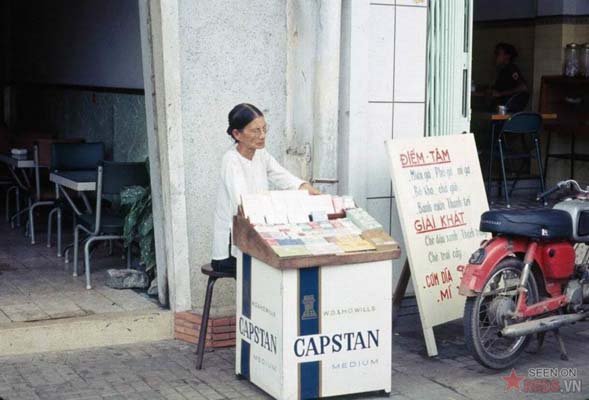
(202, 337)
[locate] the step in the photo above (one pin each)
(85, 332)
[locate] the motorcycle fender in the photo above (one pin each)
(496, 249)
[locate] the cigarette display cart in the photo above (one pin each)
(312, 326)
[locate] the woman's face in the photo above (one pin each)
(253, 136)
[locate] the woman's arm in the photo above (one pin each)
(309, 188)
(283, 179)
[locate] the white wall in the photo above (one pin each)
(77, 42)
(382, 96)
(230, 52)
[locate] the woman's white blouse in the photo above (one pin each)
(241, 176)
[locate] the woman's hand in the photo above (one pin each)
(309, 188)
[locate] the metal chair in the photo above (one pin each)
(522, 125)
(6, 180)
(70, 155)
(41, 197)
(213, 276)
(76, 156)
(12, 187)
(103, 223)
(31, 192)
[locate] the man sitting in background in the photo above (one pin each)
(510, 88)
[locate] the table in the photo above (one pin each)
(312, 326)
(80, 181)
(18, 163)
(489, 116)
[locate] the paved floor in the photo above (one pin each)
(36, 285)
(164, 370)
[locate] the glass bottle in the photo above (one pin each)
(571, 60)
(584, 57)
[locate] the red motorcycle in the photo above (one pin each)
(525, 279)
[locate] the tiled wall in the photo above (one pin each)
(117, 119)
(396, 94)
(550, 42)
(548, 54)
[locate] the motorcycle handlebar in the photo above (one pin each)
(561, 185)
(548, 192)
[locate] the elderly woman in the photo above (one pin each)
(246, 168)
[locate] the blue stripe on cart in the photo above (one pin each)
(246, 310)
(246, 289)
(309, 324)
(245, 359)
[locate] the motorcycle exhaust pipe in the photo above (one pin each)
(540, 325)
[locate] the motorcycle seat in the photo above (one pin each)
(535, 224)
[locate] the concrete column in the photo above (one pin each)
(302, 21)
(326, 96)
(313, 88)
(153, 145)
(353, 107)
(166, 139)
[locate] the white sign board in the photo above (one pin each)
(440, 196)
(314, 332)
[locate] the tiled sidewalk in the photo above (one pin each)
(36, 285)
(165, 370)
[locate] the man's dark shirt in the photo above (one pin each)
(509, 77)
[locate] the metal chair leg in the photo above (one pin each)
(8, 191)
(76, 248)
(67, 248)
(32, 222)
(503, 172)
(17, 206)
(491, 155)
(202, 337)
(539, 159)
(16, 217)
(59, 252)
(87, 261)
(49, 226)
(66, 255)
(27, 211)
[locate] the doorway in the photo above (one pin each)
(71, 72)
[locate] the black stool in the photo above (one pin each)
(213, 276)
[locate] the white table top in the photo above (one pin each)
(80, 181)
(17, 162)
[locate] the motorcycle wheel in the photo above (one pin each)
(485, 316)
